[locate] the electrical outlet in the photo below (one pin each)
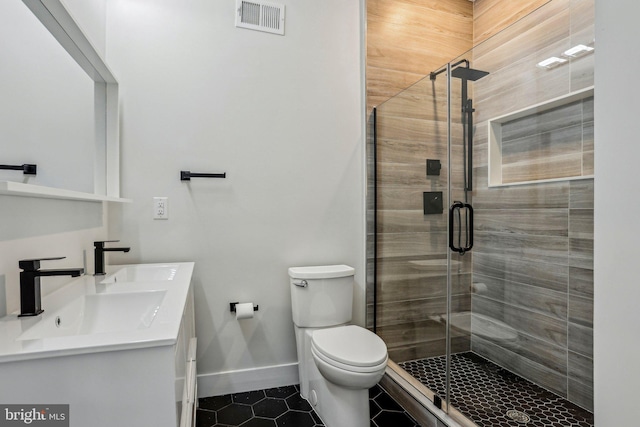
(160, 208)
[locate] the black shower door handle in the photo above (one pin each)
(454, 210)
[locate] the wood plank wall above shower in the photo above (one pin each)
(406, 40)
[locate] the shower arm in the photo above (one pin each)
(467, 113)
(465, 73)
(467, 121)
(469, 110)
(434, 74)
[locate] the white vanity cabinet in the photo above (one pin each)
(185, 368)
(142, 375)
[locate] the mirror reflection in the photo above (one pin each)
(46, 107)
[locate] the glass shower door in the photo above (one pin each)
(414, 265)
(492, 310)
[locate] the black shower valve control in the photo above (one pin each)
(433, 167)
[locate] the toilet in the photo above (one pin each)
(337, 362)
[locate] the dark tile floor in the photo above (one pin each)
(493, 397)
(283, 407)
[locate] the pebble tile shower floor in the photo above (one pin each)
(283, 407)
(486, 393)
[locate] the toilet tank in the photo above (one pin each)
(327, 297)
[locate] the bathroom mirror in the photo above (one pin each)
(59, 106)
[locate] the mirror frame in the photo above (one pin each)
(57, 19)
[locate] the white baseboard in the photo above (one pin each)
(221, 383)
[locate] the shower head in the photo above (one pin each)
(466, 73)
(460, 71)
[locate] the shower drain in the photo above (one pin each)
(518, 416)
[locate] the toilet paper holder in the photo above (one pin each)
(232, 307)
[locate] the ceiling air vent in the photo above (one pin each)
(267, 17)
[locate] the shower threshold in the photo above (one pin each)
(491, 396)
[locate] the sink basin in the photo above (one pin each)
(143, 273)
(113, 343)
(99, 313)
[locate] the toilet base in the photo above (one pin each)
(335, 405)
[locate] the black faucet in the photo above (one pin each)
(30, 296)
(99, 254)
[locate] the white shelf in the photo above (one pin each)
(11, 188)
(543, 181)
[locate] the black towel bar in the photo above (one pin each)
(187, 175)
(27, 169)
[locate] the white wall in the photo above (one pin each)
(617, 231)
(282, 115)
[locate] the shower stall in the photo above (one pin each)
(481, 226)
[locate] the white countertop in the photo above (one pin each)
(162, 331)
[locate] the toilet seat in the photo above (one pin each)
(350, 348)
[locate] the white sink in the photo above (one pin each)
(143, 273)
(98, 313)
(139, 305)
(97, 343)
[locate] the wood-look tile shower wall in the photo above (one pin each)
(492, 16)
(533, 258)
(533, 261)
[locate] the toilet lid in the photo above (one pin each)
(321, 272)
(351, 345)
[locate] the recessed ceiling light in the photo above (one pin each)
(578, 50)
(551, 62)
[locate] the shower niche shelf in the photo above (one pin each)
(547, 142)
